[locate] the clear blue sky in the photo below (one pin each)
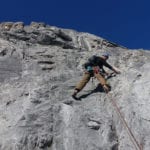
(126, 22)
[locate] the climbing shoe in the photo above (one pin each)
(74, 95)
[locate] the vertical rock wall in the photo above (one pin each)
(39, 67)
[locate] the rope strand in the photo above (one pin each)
(132, 137)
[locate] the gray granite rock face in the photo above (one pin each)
(39, 68)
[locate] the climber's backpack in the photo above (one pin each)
(92, 61)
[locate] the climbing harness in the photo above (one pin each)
(96, 69)
(132, 137)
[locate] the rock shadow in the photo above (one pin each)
(99, 88)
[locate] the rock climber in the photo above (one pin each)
(94, 68)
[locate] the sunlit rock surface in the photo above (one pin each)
(39, 68)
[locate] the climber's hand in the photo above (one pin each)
(118, 72)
